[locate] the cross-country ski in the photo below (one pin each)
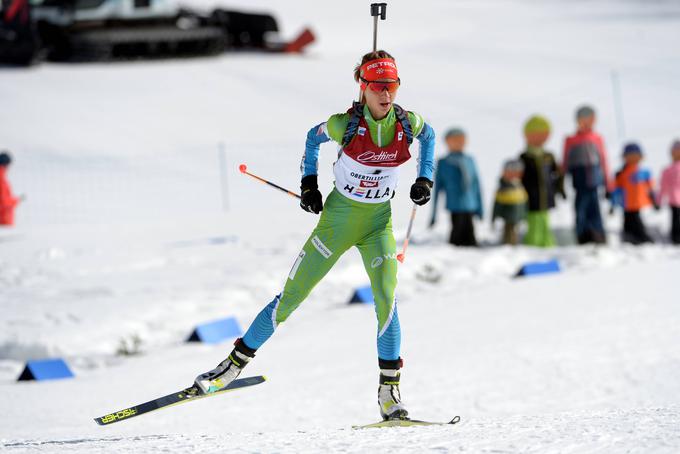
(180, 397)
(406, 423)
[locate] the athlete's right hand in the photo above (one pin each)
(310, 199)
(420, 191)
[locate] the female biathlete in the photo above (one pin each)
(374, 139)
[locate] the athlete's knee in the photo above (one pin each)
(384, 297)
(288, 302)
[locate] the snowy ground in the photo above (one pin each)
(125, 234)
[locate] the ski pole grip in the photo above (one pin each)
(379, 9)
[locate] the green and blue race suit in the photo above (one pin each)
(359, 217)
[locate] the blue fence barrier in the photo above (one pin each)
(216, 331)
(534, 268)
(46, 369)
(362, 295)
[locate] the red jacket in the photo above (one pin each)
(7, 200)
(586, 150)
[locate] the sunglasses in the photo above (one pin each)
(381, 86)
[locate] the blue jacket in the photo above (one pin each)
(456, 174)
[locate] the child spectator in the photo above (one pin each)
(634, 191)
(511, 201)
(585, 159)
(542, 180)
(456, 174)
(7, 200)
(670, 189)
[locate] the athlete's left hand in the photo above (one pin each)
(420, 191)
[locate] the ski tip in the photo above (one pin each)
(265, 378)
(455, 420)
(400, 257)
(242, 168)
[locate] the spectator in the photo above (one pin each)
(670, 189)
(585, 160)
(7, 200)
(634, 190)
(511, 201)
(456, 174)
(541, 179)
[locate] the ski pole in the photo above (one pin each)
(402, 255)
(244, 170)
(377, 10)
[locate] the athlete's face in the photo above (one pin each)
(380, 102)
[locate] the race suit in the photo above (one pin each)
(357, 212)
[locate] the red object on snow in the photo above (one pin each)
(303, 40)
(7, 200)
(17, 9)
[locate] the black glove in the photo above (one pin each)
(420, 191)
(311, 197)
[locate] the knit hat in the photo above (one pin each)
(454, 132)
(584, 112)
(537, 123)
(5, 159)
(632, 148)
(513, 165)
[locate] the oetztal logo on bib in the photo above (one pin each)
(373, 157)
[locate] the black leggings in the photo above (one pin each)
(634, 230)
(675, 225)
(462, 230)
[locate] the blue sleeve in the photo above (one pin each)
(438, 187)
(478, 191)
(426, 159)
(310, 160)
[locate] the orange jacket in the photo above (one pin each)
(637, 187)
(7, 200)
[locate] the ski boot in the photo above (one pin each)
(226, 371)
(389, 398)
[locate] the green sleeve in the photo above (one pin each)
(417, 123)
(336, 126)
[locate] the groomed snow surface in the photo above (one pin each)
(125, 235)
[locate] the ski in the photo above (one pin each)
(185, 395)
(406, 423)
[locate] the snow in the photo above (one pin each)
(124, 235)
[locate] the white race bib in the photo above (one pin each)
(368, 184)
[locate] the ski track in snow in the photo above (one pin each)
(122, 238)
(618, 431)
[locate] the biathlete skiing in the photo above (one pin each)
(374, 137)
